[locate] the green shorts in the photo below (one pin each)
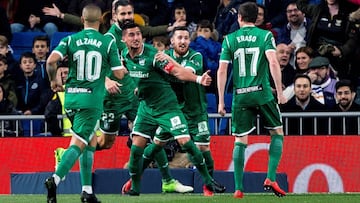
(148, 122)
(244, 118)
(84, 123)
(199, 129)
(113, 111)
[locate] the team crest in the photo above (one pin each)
(183, 63)
(175, 121)
(202, 126)
(142, 62)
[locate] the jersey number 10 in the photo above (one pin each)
(88, 65)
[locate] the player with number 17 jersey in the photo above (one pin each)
(249, 62)
(88, 66)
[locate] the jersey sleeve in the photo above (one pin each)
(225, 55)
(269, 42)
(62, 47)
(195, 63)
(114, 56)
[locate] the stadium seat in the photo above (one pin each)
(224, 122)
(36, 126)
(211, 108)
(22, 42)
(57, 37)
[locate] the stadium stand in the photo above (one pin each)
(57, 37)
(22, 42)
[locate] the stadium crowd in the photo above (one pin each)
(319, 39)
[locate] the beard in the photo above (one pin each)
(344, 103)
(122, 22)
(181, 51)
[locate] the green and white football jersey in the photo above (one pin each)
(193, 94)
(152, 81)
(246, 49)
(90, 57)
(128, 84)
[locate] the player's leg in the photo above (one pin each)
(199, 130)
(77, 144)
(109, 124)
(241, 128)
(273, 122)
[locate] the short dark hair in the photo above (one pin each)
(123, 3)
(297, 76)
(27, 54)
(205, 24)
(128, 24)
(344, 83)
(181, 28)
(42, 38)
(248, 11)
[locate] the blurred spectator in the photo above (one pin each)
(180, 14)
(303, 102)
(55, 106)
(209, 49)
(287, 71)
(323, 86)
(200, 9)
(28, 17)
(156, 10)
(329, 34)
(283, 53)
(4, 24)
(7, 81)
(226, 17)
(32, 92)
(345, 95)
(260, 21)
(7, 108)
(41, 47)
(275, 12)
(161, 43)
(12, 65)
(295, 32)
(303, 57)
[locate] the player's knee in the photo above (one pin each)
(183, 140)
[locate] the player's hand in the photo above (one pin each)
(221, 109)
(161, 56)
(56, 86)
(281, 99)
(206, 79)
(112, 86)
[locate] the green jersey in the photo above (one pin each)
(90, 57)
(193, 94)
(246, 49)
(152, 81)
(128, 85)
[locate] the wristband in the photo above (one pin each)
(198, 79)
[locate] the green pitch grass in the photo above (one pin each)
(194, 198)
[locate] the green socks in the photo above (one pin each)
(275, 152)
(239, 158)
(135, 166)
(68, 160)
(157, 153)
(209, 161)
(86, 163)
(198, 160)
